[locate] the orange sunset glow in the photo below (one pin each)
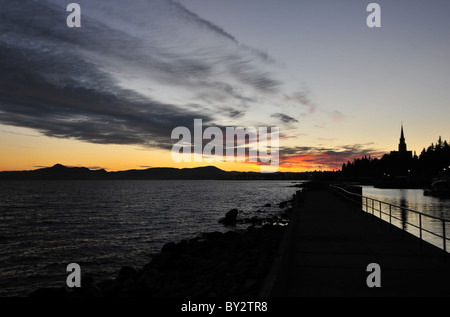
(109, 94)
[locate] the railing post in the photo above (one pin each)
(403, 219)
(420, 230)
(444, 236)
(402, 211)
(420, 226)
(390, 213)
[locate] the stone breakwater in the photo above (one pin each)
(234, 263)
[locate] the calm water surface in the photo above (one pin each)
(413, 199)
(104, 225)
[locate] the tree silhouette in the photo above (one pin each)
(433, 162)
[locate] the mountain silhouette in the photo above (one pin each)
(207, 172)
(59, 172)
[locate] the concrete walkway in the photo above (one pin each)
(330, 242)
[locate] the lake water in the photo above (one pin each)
(412, 199)
(104, 225)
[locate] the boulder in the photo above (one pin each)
(230, 218)
(50, 292)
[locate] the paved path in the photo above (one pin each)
(330, 242)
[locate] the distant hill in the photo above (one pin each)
(208, 172)
(58, 171)
(61, 172)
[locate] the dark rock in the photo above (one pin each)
(231, 235)
(212, 235)
(168, 247)
(149, 277)
(90, 290)
(233, 263)
(109, 288)
(50, 292)
(230, 218)
(267, 205)
(127, 273)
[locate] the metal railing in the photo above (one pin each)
(370, 206)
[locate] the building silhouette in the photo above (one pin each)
(402, 153)
(402, 168)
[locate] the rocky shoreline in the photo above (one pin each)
(234, 263)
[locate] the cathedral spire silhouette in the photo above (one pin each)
(402, 152)
(402, 144)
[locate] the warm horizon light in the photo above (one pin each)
(107, 95)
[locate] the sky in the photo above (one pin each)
(110, 93)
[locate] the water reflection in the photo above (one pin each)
(404, 213)
(414, 199)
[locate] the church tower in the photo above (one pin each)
(402, 152)
(402, 144)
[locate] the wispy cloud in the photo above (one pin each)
(129, 75)
(19, 133)
(337, 116)
(284, 117)
(303, 99)
(325, 157)
(192, 17)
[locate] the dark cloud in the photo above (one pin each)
(242, 69)
(104, 113)
(352, 149)
(190, 16)
(85, 83)
(291, 151)
(284, 117)
(233, 113)
(325, 157)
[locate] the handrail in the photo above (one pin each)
(404, 223)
